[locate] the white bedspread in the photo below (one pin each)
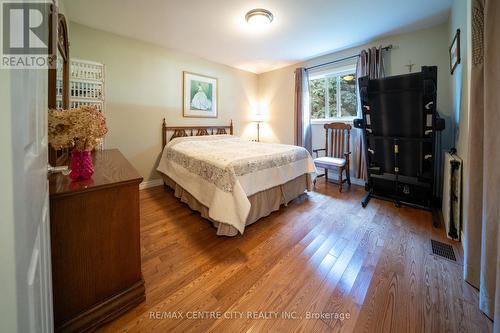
(221, 171)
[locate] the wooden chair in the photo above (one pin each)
(336, 150)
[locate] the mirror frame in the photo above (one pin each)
(63, 50)
(59, 157)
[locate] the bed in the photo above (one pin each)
(232, 182)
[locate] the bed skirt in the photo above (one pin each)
(262, 203)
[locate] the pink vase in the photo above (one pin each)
(81, 165)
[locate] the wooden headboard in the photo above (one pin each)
(180, 131)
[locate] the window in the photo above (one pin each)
(333, 95)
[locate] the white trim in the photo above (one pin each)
(150, 183)
(348, 120)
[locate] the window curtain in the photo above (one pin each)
(303, 133)
(370, 62)
(482, 195)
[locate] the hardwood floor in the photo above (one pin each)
(321, 254)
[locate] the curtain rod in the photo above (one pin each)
(385, 48)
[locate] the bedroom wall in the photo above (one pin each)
(135, 106)
(423, 47)
(459, 82)
(144, 84)
(460, 18)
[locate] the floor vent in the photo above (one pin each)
(442, 249)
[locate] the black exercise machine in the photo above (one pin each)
(400, 125)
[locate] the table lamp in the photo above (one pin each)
(259, 119)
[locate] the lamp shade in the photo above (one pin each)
(258, 118)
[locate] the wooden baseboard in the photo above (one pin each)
(150, 183)
(106, 311)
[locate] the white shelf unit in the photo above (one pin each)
(86, 84)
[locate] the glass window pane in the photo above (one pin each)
(332, 96)
(348, 98)
(317, 92)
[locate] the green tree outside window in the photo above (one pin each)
(333, 96)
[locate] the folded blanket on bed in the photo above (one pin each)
(221, 171)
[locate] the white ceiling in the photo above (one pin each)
(216, 29)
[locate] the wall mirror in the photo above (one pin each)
(58, 89)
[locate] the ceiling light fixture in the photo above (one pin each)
(348, 77)
(259, 17)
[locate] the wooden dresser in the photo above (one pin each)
(96, 253)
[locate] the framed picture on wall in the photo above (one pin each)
(455, 52)
(199, 96)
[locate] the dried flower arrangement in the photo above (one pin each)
(82, 128)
